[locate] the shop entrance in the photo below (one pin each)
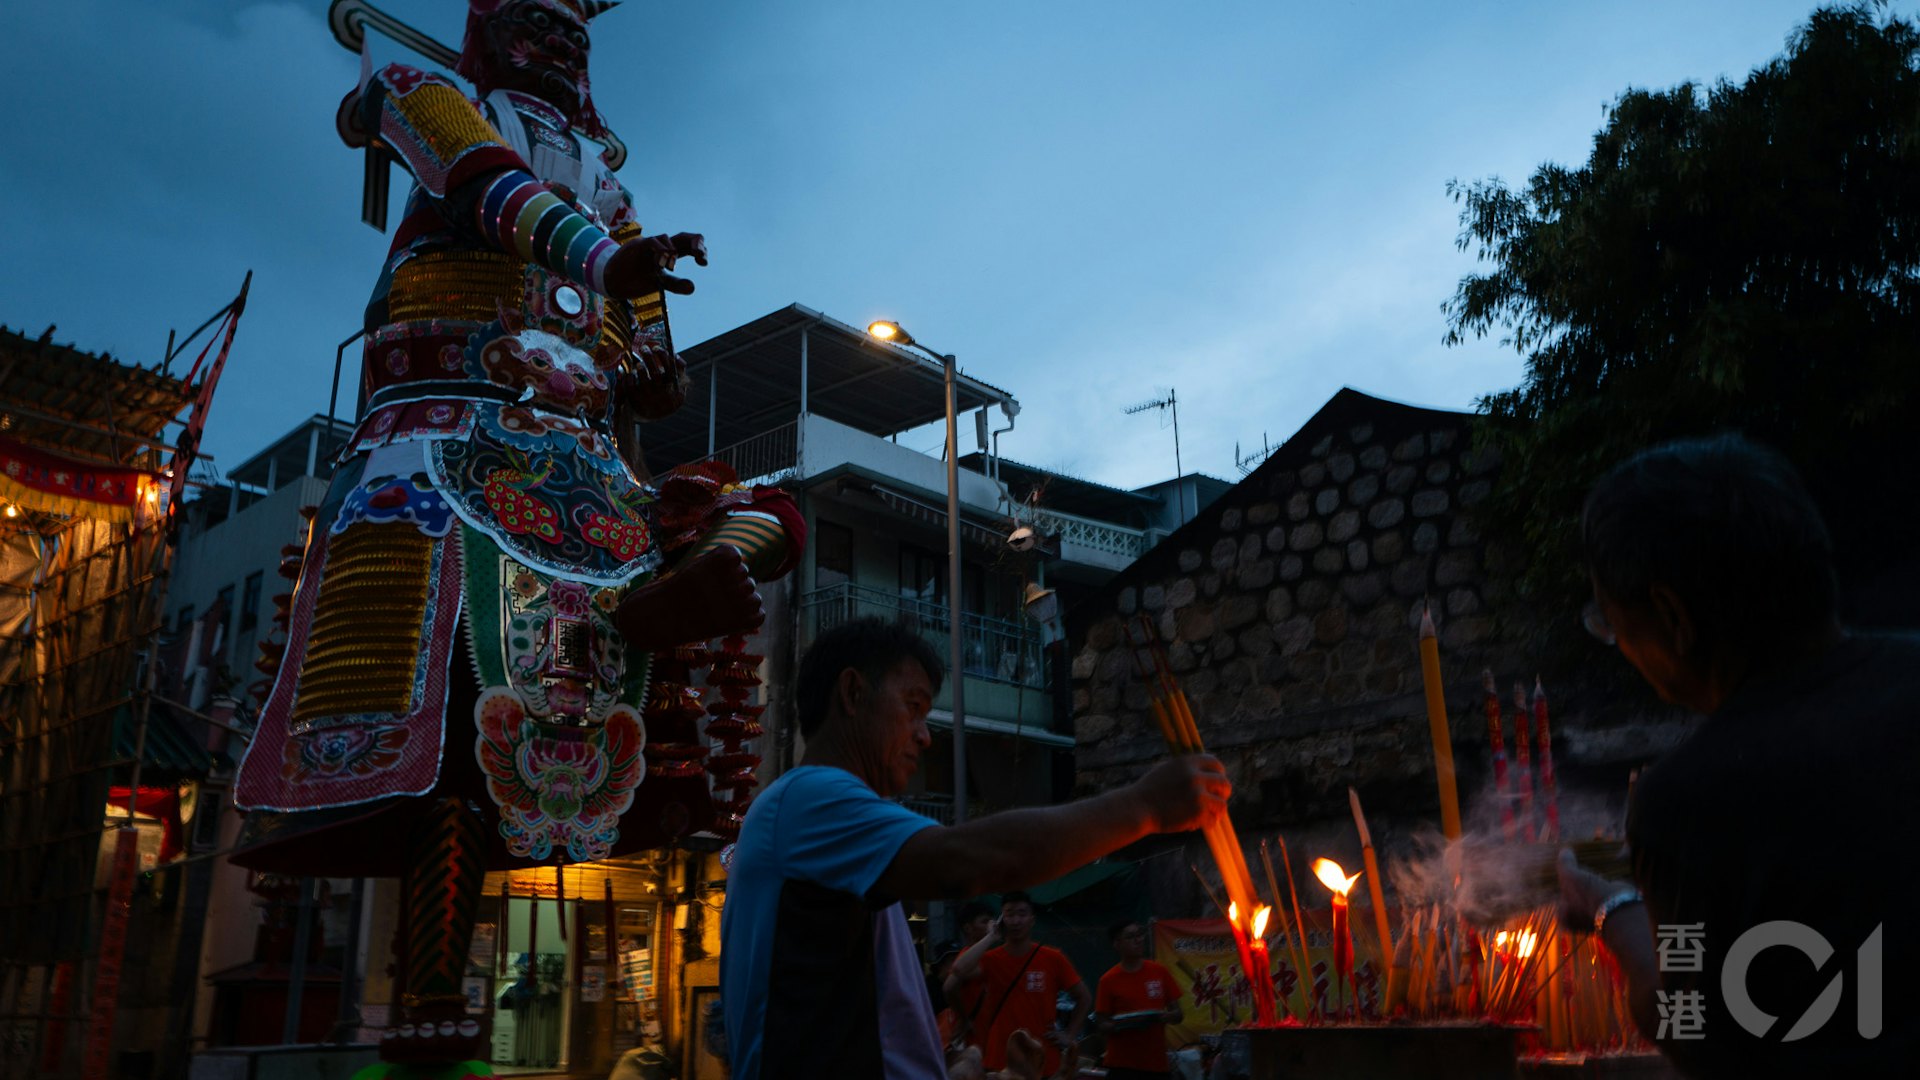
(560, 998)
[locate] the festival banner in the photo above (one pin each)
(1215, 994)
(52, 484)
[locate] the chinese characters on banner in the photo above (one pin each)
(1216, 994)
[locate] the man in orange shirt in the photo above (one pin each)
(1021, 981)
(1136, 1001)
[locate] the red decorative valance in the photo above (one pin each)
(44, 481)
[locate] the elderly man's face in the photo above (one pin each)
(1647, 635)
(893, 723)
(540, 50)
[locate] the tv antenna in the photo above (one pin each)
(1169, 406)
(1251, 460)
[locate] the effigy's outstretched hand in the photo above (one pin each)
(655, 385)
(708, 596)
(641, 266)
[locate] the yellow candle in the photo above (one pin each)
(1437, 727)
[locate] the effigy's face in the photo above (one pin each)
(539, 49)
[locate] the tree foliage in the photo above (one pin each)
(1739, 257)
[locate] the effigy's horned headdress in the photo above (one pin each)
(475, 61)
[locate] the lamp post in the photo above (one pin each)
(893, 333)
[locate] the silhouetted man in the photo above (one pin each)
(1766, 906)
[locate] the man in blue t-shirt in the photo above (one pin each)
(817, 968)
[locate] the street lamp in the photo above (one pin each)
(892, 333)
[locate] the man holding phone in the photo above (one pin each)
(1019, 981)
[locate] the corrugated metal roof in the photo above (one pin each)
(56, 397)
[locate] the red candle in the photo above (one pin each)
(1334, 878)
(1543, 745)
(1261, 973)
(1523, 763)
(1498, 743)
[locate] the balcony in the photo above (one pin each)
(930, 805)
(992, 650)
(812, 445)
(768, 458)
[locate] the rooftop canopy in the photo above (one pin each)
(763, 374)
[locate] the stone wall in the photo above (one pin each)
(1290, 610)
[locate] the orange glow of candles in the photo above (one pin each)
(1261, 974)
(1438, 729)
(1254, 963)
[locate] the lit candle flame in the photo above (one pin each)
(1522, 942)
(1332, 876)
(1260, 920)
(1233, 912)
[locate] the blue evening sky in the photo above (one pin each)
(1089, 202)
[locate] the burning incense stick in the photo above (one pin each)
(1273, 889)
(1211, 895)
(1306, 972)
(1437, 728)
(1299, 931)
(1182, 735)
(1375, 891)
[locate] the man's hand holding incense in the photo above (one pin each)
(1184, 793)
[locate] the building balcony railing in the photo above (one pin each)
(997, 650)
(776, 456)
(767, 458)
(1117, 540)
(937, 807)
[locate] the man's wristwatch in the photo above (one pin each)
(1612, 904)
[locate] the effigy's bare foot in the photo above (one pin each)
(708, 596)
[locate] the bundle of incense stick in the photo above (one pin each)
(1175, 717)
(1528, 970)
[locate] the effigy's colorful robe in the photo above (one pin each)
(451, 630)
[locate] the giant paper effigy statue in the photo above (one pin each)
(489, 596)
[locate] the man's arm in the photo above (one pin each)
(966, 966)
(1628, 935)
(1018, 848)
